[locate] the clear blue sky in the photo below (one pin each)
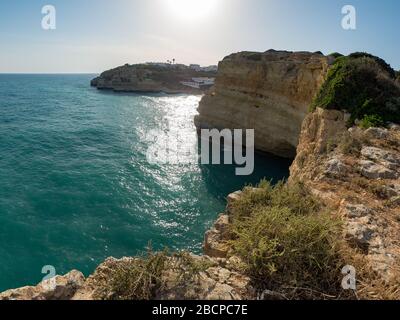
(94, 35)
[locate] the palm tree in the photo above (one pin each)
(173, 61)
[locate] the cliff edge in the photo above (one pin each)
(269, 92)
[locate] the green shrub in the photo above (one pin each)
(141, 278)
(336, 55)
(266, 195)
(372, 121)
(350, 144)
(254, 56)
(384, 65)
(363, 85)
(288, 243)
(135, 279)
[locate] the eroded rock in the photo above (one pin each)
(377, 133)
(269, 92)
(359, 234)
(215, 239)
(231, 200)
(57, 288)
(381, 156)
(336, 167)
(355, 211)
(371, 170)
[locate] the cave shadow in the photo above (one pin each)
(221, 180)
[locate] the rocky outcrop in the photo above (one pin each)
(219, 281)
(269, 92)
(214, 244)
(355, 173)
(148, 78)
(57, 288)
(317, 132)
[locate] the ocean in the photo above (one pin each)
(76, 186)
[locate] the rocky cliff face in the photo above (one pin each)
(356, 173)
(269, 92)
(151, 78)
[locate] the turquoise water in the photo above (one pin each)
(75, 183)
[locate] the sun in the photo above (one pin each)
(191, 9)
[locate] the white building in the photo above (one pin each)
(199, 82)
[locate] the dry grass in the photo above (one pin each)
(142, 278)
(289, 242)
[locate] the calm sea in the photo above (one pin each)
(75, 183)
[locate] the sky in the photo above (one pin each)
(94, 35)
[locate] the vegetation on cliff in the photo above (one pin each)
(287, 241)
(143, 277)
(365, 86)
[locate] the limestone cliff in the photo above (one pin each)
(151, 78)
(356, 173)
(269, 92)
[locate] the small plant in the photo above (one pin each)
(143, 277)
(331, 144)
(351, 143)
(370, 121)
(134, 279)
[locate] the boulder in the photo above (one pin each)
(214, 245)
(371, 170)
(377, 133)
(380, 155)
(394, 127)
(355, 211)
(335, 167)
(359, 234)
(231, 199)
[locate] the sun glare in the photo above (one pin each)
(191, 9)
